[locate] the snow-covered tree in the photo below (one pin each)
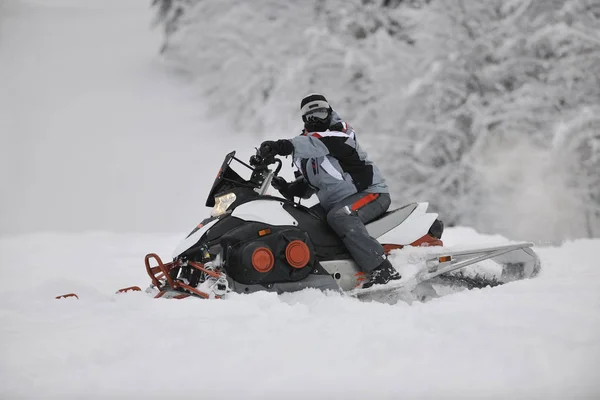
(255, 60)
(512, 72)
(476, 106)
(576, 149)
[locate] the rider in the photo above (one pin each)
(350, 188)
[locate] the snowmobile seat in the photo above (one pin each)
(380, 225)
(389, 220)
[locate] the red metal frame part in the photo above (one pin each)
(130, 288)
(64, 296)
(159, 272)
(206, 271)
(160, 276)
(424, 241)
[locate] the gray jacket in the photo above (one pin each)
(334, 165)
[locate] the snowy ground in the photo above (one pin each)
(528, 339)
(86, 109)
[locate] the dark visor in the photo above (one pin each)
(316, 115)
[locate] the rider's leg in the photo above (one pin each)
(348, 218)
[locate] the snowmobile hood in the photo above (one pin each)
(193, 238)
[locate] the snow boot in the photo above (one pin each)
(381, 275)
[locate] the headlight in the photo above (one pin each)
(222, 203)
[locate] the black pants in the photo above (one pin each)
(348, 219)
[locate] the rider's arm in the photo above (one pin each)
(308, 147)
(336, 144)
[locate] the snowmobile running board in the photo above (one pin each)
(517, 256)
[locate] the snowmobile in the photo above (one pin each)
(253, 242)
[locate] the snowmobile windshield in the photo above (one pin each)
(227, 179)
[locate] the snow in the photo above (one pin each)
(97, 134)
(527, 339)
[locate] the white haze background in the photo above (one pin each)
(95, 135)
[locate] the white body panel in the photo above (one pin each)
(271, 212)
(268, 211)
(193, 238)
(391, 220)
(414, 227)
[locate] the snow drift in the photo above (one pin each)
(528, 339)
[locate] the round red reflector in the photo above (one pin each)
(262, 259)
(297, 254)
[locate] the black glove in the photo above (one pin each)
(283, 187)
(282, 147)
(278, 183)
(297, 188)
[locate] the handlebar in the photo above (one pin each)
(279, 165)
(258, 161)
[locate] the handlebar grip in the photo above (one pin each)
(258, 161)
(255, 160)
